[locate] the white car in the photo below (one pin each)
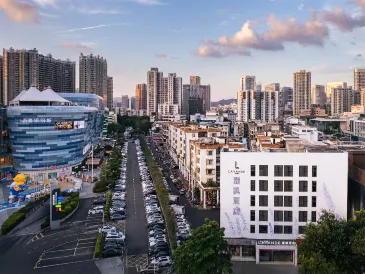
(94, 211)
(115, 234)
(172, 177)
(162, 261)
(107, 229)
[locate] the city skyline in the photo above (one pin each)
(322, 35)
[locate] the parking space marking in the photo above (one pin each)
(135, 260)
(64, 263)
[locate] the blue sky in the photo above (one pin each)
(219, 40)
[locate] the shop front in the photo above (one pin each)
(263, 251)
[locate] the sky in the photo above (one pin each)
(219, 40)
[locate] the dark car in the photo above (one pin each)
(112, 252)
(111, 245)
(100, 201)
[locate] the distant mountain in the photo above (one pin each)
(223, 102)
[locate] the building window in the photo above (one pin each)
(278, 229)
(253, 170)
(278, 171)
(263, 185)
(303, 186)
(252, 185)
(210, 152)
(278, 200)
(252, 229)
(235, 250)
(249, 250)
(263, 215)
(288, 201)
(288, 216)
(303, 216)
(314, 186)
(288, 229)
(278, 185)
(263, 200)
(288, 171)
(301, 229)
(303, 171)
(314, 201)
(263, 170)
(314, 171)
(278, 216)
(252, 200)
(303, 201)
(314, 216)
(252, 215)
(288, 186)
(262, 228)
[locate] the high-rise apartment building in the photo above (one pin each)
(24, 68)
(141, 96)
(154, 78)
(248, 83)
(1, 80)
(195, 80)
(287, 96)
(185, 100)
(302, 91)
(362, 97)
(332, 85)
(133, 102)
(125, 101)
(359, 79)
(318, 95)
(93, 75)
(273, 87)
(170, 99)
(257, 105)
(109, 94)
(341, 100)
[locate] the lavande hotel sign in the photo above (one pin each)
(236, 169)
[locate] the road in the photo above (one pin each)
(67, 250)
(136, 230)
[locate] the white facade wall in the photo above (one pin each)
(331, 190)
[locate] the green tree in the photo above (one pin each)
(205, 252)
(333, 245)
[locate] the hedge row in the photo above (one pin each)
(99, 241)
(107, 205)
(17, 217)
(162, 193)
(110, 171)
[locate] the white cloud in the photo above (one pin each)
(149, 2)
(100, 11)
(45, 3)
(93, 27)
(19, 11)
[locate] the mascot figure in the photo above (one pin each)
(18, 184)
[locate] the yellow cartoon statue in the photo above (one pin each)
(17, 185)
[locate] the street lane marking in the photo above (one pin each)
(64, 263)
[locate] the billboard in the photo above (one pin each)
(63, 125)
(79, 124)
(56, 203)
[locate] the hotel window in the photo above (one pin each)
(263, 185)
(252, 229)
(278, 185)
(303, 186)
(278, 171)
(278, 229)
(303, 201)
(314, 171)
(288, 186)
(253, 170)
(252, 215)
(252, 185)
(303, 216)
(314, 216)
(314, 201)
(263, 215)
(288, 171)
(288, 201)
(303, 171)
(288, 229)
(263, 170)
(301, 229)
(278, 216)
(278, 200)
(314, 186)
(262, 229)
(263, 200)
(288, 216)
(210, 152)
(252, 200)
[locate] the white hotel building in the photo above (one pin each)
(270, 196)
